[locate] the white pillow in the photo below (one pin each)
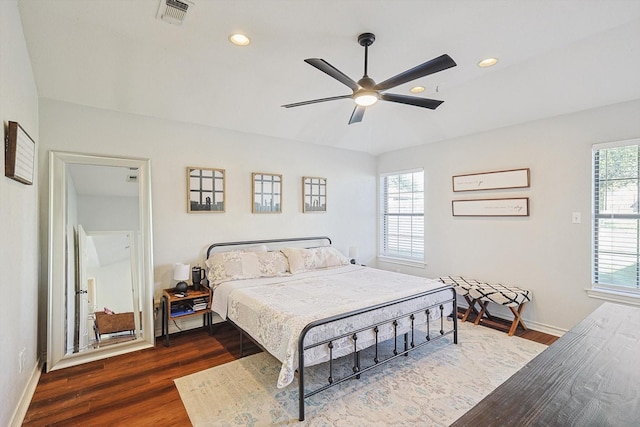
(237, 265)
(301, 259)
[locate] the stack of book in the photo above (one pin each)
(200, 303)
(181, 309)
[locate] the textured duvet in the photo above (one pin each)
(275, 310)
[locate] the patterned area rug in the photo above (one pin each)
(433, 386)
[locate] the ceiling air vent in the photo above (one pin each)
(173, 11)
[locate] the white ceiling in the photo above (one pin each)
(108, 181)
(556, 57)
(108, 248)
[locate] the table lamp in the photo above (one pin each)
(181, 273)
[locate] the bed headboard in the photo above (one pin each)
(264, 242)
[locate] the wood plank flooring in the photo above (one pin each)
(134, 389)
(504, 325)
(137, 389)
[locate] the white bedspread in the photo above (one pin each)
(275, 310)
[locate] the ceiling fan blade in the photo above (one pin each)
(325, 67)
(411, 100)
(433, 66)
(315, 101)
(357, 114)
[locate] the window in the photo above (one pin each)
(402, 215)
(616, 217)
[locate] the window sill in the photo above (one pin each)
(621, 297)
(401, 261)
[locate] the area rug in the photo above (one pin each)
(433, 386)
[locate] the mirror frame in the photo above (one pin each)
(57, 358)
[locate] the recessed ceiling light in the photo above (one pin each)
(417, 89)
(239, 39)
(488, 62)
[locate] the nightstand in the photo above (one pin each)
(194, 303)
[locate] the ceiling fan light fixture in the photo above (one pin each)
(365, 98)
(366, 92)
(239, 39)
(417, 89)
(488, 62)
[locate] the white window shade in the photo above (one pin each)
(616, 230)
(402, 215)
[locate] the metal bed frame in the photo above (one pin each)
(411, 339)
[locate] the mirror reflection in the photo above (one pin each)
(106, 290)
(103, 218)
(101, 293)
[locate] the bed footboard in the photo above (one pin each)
(411, 339)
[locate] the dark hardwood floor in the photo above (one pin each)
(504, 325)
(134, 389)
(137, 389)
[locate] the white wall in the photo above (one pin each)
(108, 213)
(113, 286)
(19, 261)
(544, 252)
(172, 146)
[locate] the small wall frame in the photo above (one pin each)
(491, 207)
(514, 178)
(266, 192)
(205, 190)
(19, 154)
(314, 194)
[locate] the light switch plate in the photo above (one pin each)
(576, 217)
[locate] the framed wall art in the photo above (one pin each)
(515, 178)
(516, 206)
(314, 194)
(205, 189)
(266, 193)
(19, 154)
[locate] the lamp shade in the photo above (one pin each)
(181, 271)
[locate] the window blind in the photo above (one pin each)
(402, 215)
(616, 238)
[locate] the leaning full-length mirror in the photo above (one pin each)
(100, 268)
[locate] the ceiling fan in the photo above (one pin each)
(366, 92)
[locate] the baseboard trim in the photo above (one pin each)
(25, 400)
(547, 329)
(536, 326)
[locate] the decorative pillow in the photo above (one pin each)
(301, 259)
(237, 265)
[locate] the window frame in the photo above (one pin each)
(608, 291)
(383, 253)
